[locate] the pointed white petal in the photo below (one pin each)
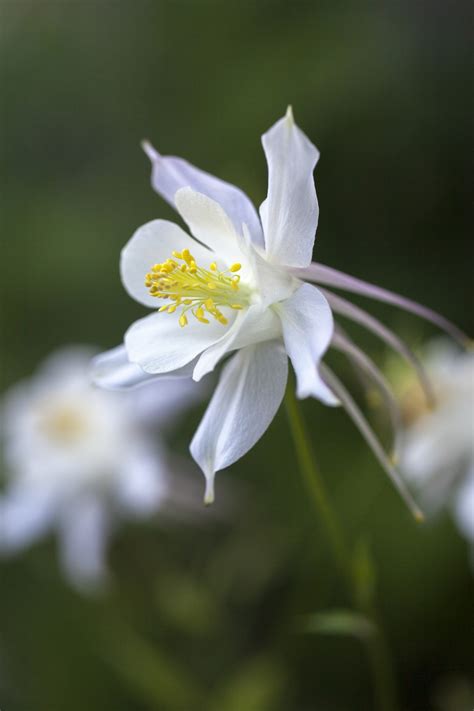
(244, 403)
(290, 212)
(169, 174)
(307, 325)
(210, 224)
(158, 344)
(153, 243)
(113, 370)
(84, 531)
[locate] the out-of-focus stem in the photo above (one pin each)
(379, 655)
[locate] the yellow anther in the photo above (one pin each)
(204, 291)
(188, 257)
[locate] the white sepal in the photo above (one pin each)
(290, 212)
(248, 395)
(307, 325)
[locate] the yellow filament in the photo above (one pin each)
(196, 289)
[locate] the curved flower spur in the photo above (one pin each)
(239, 284)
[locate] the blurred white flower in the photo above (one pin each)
(78, 459)
(437, 451)
(239, 284)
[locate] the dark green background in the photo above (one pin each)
(206, 617)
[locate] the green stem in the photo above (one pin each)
(384, 683)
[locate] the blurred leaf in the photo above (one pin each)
(339, 622)
(149, 673)
(257, 687)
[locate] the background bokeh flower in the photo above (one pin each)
(78, 459)
(437, 447)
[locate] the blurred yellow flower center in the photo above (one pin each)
(191, 288)
(64, 424)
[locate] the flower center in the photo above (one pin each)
(191, 288)
(64, 424)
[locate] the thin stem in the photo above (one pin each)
(315, 485)
(384, 683)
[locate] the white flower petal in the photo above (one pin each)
(169, 174)
(274, 283)
(26, 513)
(210, 224)
(153, 243)
(163, 401)
(113, 370)
(159, 345)
(67, 365)
(251, 326)
(141, 480)
(84, 532)
(290, 212)
(248, 395)
(307, 331)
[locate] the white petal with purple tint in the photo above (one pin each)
(169, 174)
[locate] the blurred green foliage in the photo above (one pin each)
(204, 616)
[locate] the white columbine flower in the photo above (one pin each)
(238, 284)
(78, 459)
(438, 443)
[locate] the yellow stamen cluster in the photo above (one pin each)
(191, 288)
